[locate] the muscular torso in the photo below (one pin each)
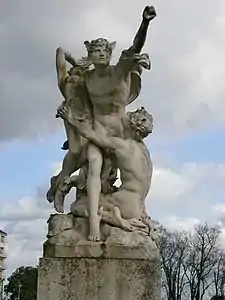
(135, 167)
(109, 96)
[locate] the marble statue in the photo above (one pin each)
(106, 246)
(133, 161)
(72, 86)
(102, 138)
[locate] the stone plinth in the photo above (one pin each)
(124, 266)
(98, 279)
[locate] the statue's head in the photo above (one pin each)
(100, 51)
(140, 123)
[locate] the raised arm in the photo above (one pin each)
(148, 15)
(61, 57)
(86, 131)
(132, 56)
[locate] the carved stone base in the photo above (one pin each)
(98, 279)
(71, 241)
(123, 266)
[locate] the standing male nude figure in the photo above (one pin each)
(111, 89)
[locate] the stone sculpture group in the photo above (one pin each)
(106, 246)
(102, 139)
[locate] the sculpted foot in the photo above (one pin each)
(124, 224)
(66, 185)
(94, 234)
(138, 224)
(59, 202)
(50, 194)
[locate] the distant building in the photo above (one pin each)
(3, 236)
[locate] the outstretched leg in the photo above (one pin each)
(69, 166)
(71, 162)
(93, 190)
(125, 224)
(64, 188)
(114, 218)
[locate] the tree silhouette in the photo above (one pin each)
(22, 284)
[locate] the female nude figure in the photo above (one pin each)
(72, 86)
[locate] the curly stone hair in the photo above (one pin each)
(141, 116)
(100, 42)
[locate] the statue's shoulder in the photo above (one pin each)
(89, 74)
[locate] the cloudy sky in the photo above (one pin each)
(184, 91)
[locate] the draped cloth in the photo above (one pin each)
(139, 61)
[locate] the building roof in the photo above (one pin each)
(3, 232)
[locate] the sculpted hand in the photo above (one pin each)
(60, 107)
(149, 13)
(62, 112)
(84, 62)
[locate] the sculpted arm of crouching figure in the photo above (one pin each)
(100, 140)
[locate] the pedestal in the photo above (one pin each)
(124, 266)
(98, 279)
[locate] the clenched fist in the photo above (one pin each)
(149, 13)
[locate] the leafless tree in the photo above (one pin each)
(200, 261)
(173, 247)
(218, 276)
(193, 266)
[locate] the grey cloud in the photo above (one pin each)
(188, 191)
(26, 225)
(31, 31)
(220, 214)
(29, 95)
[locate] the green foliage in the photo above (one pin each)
(22, 284)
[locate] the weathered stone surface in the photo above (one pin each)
(102, 138)
(116, 243)
(98, 279)
(105, 249)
